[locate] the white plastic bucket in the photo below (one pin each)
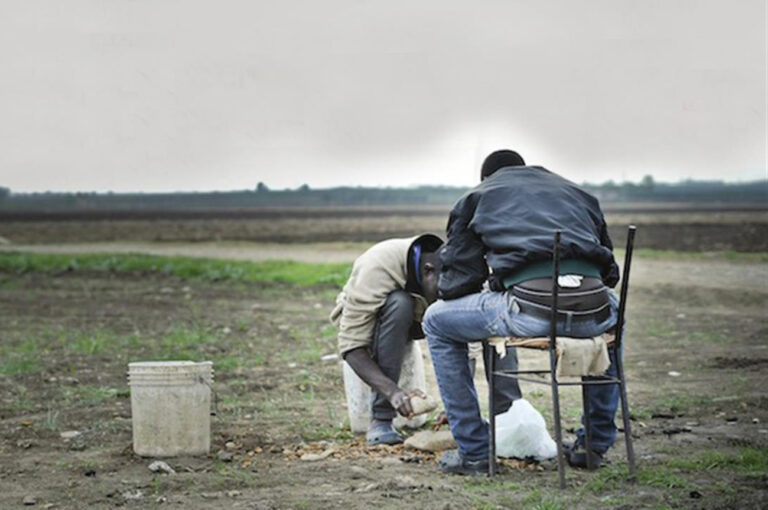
(171, 407)
(359, 394)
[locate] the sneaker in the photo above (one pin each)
(383, 432)
(576, 455)
(453, 462)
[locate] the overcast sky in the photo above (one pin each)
(154, 95)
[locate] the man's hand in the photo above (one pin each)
(401, 401)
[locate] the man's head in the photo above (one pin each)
(429, 268)
(424, 266)
(500, 159)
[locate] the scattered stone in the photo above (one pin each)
(762, 431)
(431, 441)
(225, 456)
(233, 494)
(159, 466)
(230, 445)
(293, 365)
(316, 306)
(48, 506)
(357, 472)
(166, 290)
(674, 374)
(314, 457)
(210, 495)
(69, 434)
(161, 499)
(390, 461)
(26, 423)
(226, 330)
(755, 420)
(284, 327)
(368, 488)
(675, 430)
(330, 357)
(29, 501)
(133, 495)
(25, 444)
(423, 405)
(681, 316)
(403, 482)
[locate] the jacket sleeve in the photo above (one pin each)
(609, 273)
(463, 257)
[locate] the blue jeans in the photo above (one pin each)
(451, 325)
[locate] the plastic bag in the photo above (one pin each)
(521, 432)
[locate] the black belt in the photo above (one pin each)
(545, 312)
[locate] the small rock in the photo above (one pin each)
(317, 306)
(681, 316)
(225, 456)
(133, 495)
(29, 501)
(329, 357)
(48, 506)
(674, 374)
(357, 472)
(762, 431)
(368, 488)
(233, 494)
(403, 482)
(25, 444)
(314, 457)
(755, 420)
(390, 461)
(210, 495)
(293, 365)
(161, 499)
(159, 466)
(230, 445)
(226, 330)
(431, 441)
(69, 434)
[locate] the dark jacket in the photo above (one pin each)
(509, 220)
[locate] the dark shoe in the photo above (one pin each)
(452, 462)
(382, 432)
(576, 455)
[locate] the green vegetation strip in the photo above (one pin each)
(192, 268)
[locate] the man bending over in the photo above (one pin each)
(378, 311)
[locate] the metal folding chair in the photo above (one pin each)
(553, 381)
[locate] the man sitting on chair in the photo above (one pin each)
(507, 222)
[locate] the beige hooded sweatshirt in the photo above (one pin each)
(382, 269)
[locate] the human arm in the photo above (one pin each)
(361, 362)
(464, 269)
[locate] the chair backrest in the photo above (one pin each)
(622, 293)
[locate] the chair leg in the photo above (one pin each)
(491, 367)
(556, 418)
(587, 424)
(625, 415)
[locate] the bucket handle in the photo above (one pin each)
(215, 410)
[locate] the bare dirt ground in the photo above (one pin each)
(682, 230)
(696, 358)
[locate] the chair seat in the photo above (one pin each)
(540, 343)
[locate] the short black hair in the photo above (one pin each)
(500, 159)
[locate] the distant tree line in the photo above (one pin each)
(304, 196)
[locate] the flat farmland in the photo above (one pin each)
(674, 227)
(76, 306)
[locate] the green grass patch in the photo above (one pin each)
(744, 460)
(188, 268)
(732, 256)
(613, 478)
